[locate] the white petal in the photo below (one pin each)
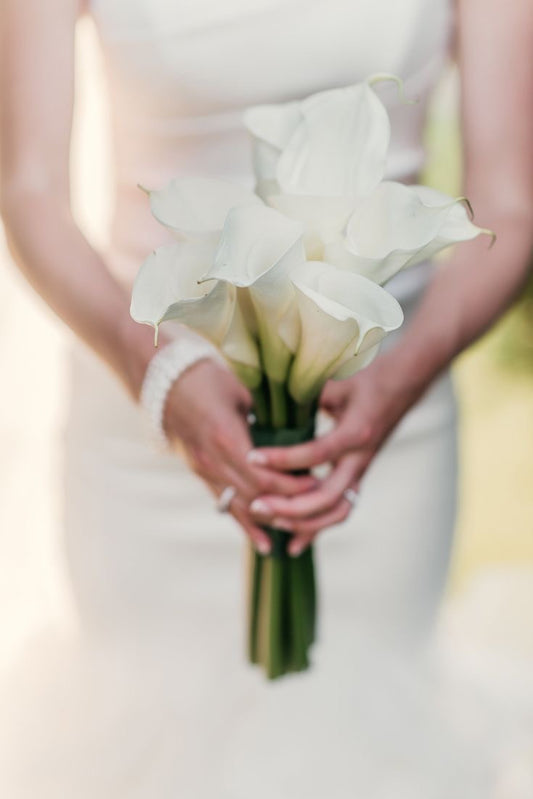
(265, 159)
(198, 206)
(323, 218)
(258, 248)
(337, 254)
(271, 127)
(254, 240)
(247, 309)
(356, 363)
(274, 123)
(341, 315)
(241, 350)
(348, 296)
(321, 343)
(166, 287)
(398, 226)
(340, 146)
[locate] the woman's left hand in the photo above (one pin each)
(366, 408)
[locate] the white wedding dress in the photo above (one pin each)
(151, 697)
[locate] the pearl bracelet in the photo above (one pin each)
(164, 369)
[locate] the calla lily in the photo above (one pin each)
(196, 207)
(167, 288)
(399, 226)
(258, 249)
(333, 143)
(271, 127)
(323, 219)
(343, 318)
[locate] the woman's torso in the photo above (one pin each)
(181, 73)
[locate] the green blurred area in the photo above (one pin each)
(494, 379)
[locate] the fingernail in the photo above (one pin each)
(263, 547)
(296, 549)
(255, 456)
(282, 524)
(260, 507)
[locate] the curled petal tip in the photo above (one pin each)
(492, 235)
(468, 205)
(383, 77)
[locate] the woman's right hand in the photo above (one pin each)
(206, 413)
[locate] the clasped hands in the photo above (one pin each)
(206, 414)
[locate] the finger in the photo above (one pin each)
(305, 532)
(252, 481)
(218, 474)
(303, 456)
(334, 397)
(259, 538)
(249, 484)
(299, 544)
(318, 501)
(244, 401)
(267, 482)
(233, 446)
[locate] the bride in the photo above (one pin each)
(153, 698)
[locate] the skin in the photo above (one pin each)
(36, 106)
(495, 52)
(36, 95)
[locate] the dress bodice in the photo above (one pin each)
(181, 73)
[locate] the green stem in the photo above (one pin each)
(261, 406)
(303, 414)
(282, 592)
(299, 615)
(308, 568)
(275, 664)
(256, 570)
(278, 404)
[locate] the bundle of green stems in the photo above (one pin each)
(282, 604)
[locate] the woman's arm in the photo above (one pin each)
(37, 91)
(36, 105)
(472, 290)
(467, 294)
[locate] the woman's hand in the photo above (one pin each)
(366, 408)
(206, 413)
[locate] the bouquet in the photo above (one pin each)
(287, 282)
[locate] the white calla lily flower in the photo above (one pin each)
(196, 207)
(167, 288)
(323, 219)
(343, 318)
(257, 251)
(356, 363)
(291, 283)
(399, 226)
(333, 143)
(271, 127)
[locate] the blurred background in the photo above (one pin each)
(490, 593)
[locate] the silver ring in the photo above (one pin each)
(351, 496)
(225, 499)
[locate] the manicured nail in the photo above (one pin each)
(255, 456)
(282, 524)
(263, 547)
(260, 507)
(296, 549)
